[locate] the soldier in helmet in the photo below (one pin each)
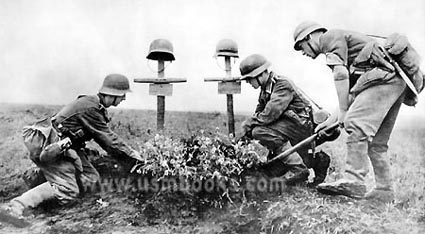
(369, 93)
(282, 117)
(82, 120)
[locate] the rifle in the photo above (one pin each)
(308, 140)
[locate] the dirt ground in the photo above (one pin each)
(291, 210)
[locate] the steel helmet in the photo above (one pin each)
(226, 47)
(303, 30)
(161, 49)
(115, 85)
(253, 66)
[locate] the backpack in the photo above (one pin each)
(37, 136)
(406, 56)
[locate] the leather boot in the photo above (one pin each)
(12, 213)
(320, 166)
(297, 172)
(275, 169)
(296, 175)
(278, 167)
(14, 208)
(383, 191)
(357, 166)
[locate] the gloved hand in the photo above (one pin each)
(75, 158)
(136, 155)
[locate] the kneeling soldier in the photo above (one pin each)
(282, 118)
(64, 164)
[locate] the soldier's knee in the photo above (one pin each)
(65, 194)
(354, 130)
(90, 177)
(258, 132)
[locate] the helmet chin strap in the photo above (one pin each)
(311, 47)
(309, 44)
(115, 101)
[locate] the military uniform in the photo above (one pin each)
(281, 119)
(281, 115)
(64, 180)
(377, 96)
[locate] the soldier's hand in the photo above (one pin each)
(332, 119)
(246, 130)
(136, 155)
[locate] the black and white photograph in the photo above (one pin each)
(212, 116)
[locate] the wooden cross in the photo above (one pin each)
(160, 87)
(228, 85)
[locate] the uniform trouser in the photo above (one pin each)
(369, 123)
(64, 179)
(277, 136)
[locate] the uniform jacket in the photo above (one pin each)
(343, 47)
(88, 114)
(279, 98)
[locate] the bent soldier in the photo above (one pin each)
(370, 93)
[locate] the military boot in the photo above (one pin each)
(297, 172)
(296, 175)
(357, 166)
(12, 213)
(14, 208)
(383, 191)
(274, 169)
(343, 187)
(320, 166)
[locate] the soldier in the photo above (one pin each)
(369, 94)
(68, 172)
(282, 117)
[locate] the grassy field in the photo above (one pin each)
(293, 210)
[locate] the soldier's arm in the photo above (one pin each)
(335, 48)
(279, 100)
(248, 124)
(340, 74)
(260, 105)
(95, 123)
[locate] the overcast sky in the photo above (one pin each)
(51, 51)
